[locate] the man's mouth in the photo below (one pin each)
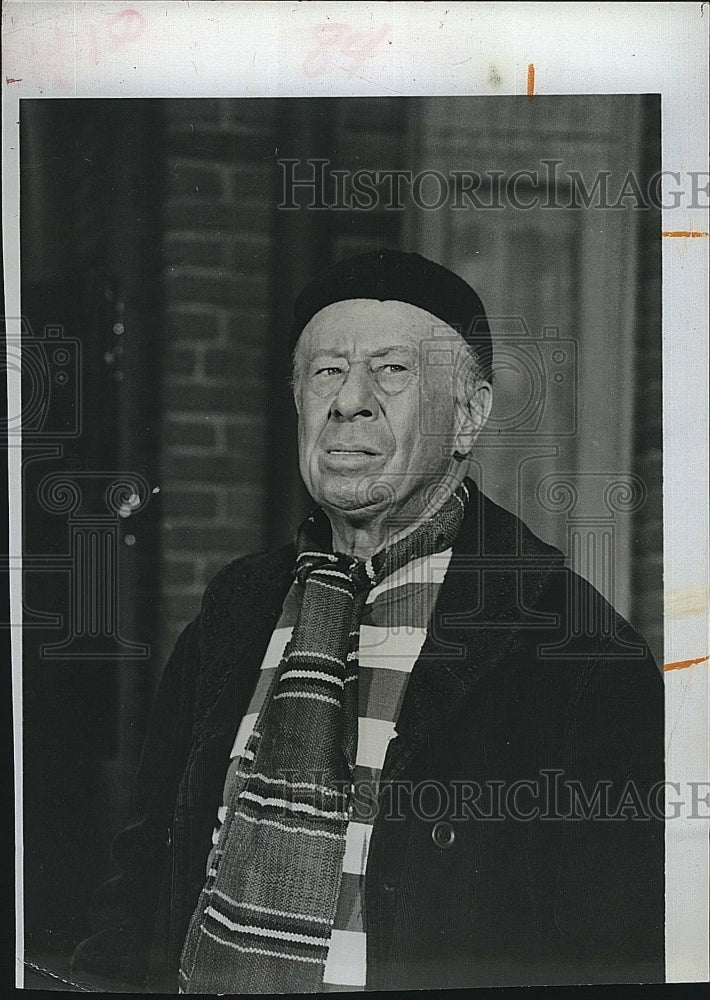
(351, 450)
(350, 457)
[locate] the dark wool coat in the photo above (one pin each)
(527, 681)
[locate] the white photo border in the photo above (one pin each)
(177, 49)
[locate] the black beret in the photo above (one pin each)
(404, 277)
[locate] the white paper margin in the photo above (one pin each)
(243, 49)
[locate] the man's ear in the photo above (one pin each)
(472, 412)
(296, 389)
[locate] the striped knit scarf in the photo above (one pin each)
(264, 919)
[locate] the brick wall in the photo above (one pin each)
(217, 224)
(233, 264)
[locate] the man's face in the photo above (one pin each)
(364, 395)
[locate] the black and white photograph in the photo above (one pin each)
(341, 450)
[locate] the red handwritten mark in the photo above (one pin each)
(687, 233)
(335, 41)
(110, 34)
(13, 79)
(683, 664)
(531, 81)
(125, 27)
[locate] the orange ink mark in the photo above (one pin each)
(531, 80)
(688, 233)
(683, 664)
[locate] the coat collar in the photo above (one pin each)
(497, 572)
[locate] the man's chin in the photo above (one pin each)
(357, 495)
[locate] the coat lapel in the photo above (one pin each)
(238, 617)
(486, 604)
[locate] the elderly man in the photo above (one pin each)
(381, 758)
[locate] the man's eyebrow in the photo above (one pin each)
(325, 353)
(337, 353)
(407, 348)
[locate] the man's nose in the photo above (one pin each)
(355, 399)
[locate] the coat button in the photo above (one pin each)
(443, 834)
(389, 887)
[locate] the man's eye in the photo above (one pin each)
(330, 370)
(391, 368)
(393, 377)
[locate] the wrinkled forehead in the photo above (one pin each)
(366, 326)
